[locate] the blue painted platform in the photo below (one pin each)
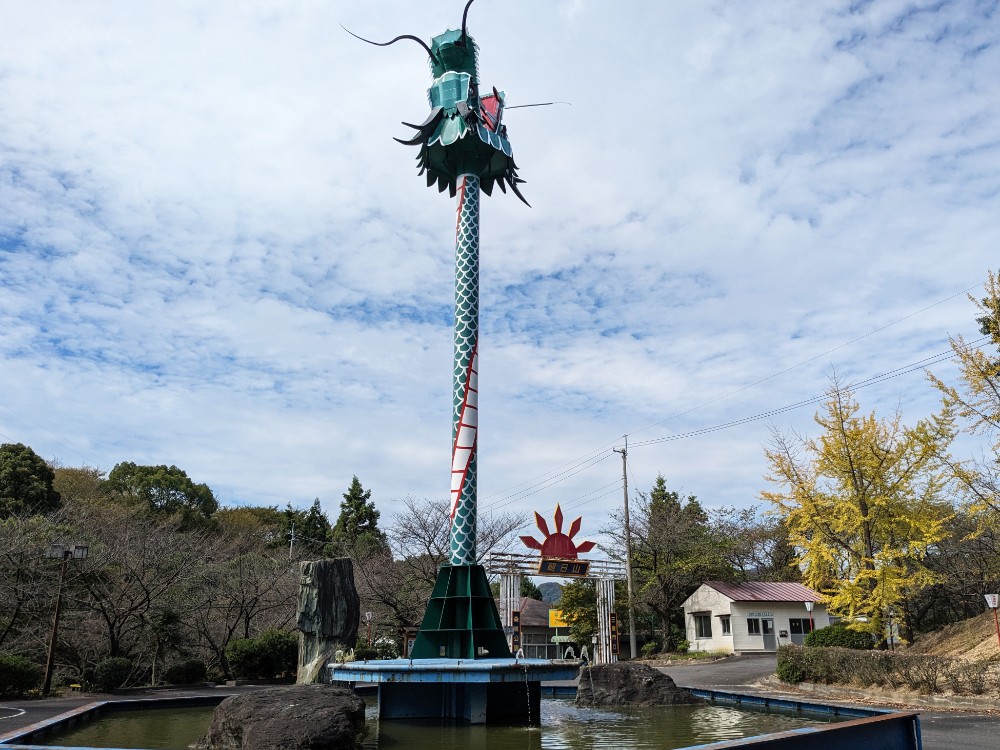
(478, 691)
(454, 670)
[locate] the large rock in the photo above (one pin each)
(628, 684)
(328, 614)
(298, 717)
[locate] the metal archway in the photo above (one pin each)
(511, 568)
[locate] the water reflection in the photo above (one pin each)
(564, 727)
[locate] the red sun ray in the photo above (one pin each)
(531, 542)
(541, 524)
(574, 528)
(559, 519)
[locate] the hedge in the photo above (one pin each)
(272, 655)
(186, 672)
(18, 675)
(112, 673)
(866, 668)
(839, 635)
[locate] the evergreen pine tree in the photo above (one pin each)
(356, 532)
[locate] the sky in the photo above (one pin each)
(213, 254)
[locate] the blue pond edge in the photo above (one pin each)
(866, 727)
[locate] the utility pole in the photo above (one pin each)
(628, 552)
(291, 541)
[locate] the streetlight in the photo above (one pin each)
(991, 601)
(809, 609)
(64, 552)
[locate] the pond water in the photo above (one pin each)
(564, 727)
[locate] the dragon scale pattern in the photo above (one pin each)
(465, 415)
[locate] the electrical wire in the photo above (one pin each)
(807, 361)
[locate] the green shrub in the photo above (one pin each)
(648, 650)
(270, 656)
(791, 664)
(18, 675)
(186, 672)
(364, 653)
(112, 673)
(839, 635)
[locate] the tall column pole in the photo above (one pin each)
(465, 392)
(628, 553)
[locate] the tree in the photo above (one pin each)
(976, 401)
(309, 530)
(397, 580)
(138, 563)
(529, 589)
(25, 482)
(162, 489)
(253, 523)
(83, 484)
(579, 608)
(864, 504)
(356, 532)
(27, 580)
(242, 591)
(673, 551)
(754, 547)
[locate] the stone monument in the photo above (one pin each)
(328, 614)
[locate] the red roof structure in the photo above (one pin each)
(765, 591)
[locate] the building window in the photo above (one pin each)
(703, 626)
(753, 626)
(799, 626)
(724, 623)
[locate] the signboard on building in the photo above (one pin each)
(613, 617)
(515, 637)
(556, 619)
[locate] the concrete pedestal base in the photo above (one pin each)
(499, 691)
(471, 702)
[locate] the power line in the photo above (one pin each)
(575, 468)
(807, 361)
(874, 380)
(585, 462)
(548, 479)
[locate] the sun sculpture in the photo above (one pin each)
(558, 545)
(464, 149)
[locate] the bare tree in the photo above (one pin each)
(239, 592)
(398, 581)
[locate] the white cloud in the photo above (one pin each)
(214, 255)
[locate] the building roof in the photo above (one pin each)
(534, 614)
(765, 591)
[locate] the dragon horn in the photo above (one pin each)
(465, 17)
(417, 39)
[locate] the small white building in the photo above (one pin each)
(747, 618)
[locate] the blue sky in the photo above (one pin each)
(214, 255)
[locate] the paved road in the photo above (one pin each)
(941, 730)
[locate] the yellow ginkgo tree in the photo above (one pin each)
(863, 503)
(975, 400)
